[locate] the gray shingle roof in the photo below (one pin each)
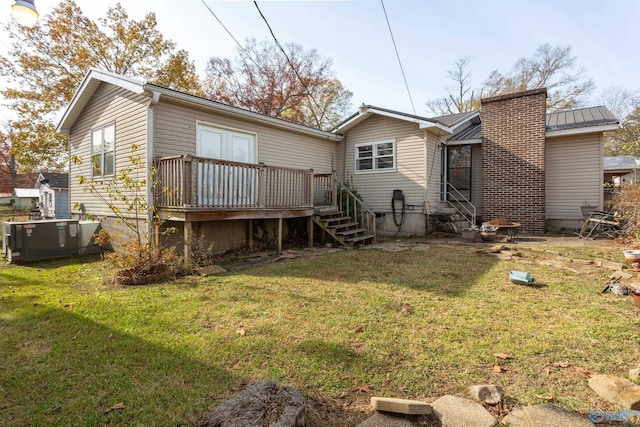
(619, 163)
(582, 117)
(56, 180)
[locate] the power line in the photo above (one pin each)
(229, 32)
(398, 56)
(295, 70)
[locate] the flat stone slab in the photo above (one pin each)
(515, 419)
(548, 415)
(629, 398)
(454, 411)
(608, 386)
(210, 270)
(400, 406)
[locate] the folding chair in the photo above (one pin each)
(599, 223)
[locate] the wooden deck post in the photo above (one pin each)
(279, 237)
(250, 233)
(310, 231)
(188, 240)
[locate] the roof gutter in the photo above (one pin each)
(583, 130)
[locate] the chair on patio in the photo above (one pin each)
(601, 223)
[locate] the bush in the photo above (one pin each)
(626, 201)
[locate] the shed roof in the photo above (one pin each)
(30, 193)
(55, 180)
(619, 163)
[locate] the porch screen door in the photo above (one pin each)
(226, 185)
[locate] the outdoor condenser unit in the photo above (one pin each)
(36, 240)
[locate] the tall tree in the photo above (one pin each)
(302, 89)
(459, 97)
(46, 63)
(551, 67)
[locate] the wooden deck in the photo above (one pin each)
(194, 188)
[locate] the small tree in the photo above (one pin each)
(127, 197)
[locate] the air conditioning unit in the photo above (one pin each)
(38, 240)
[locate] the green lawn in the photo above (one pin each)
(342, 327)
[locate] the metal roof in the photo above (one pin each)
(582, 117)
(471, 132)
(619, 163)
(31, 193)
(454, 119)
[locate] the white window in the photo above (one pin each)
(376, 157)
(103, 144)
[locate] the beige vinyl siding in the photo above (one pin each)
(175, 134)
(409, 176)
(109, 104)
(574, 175)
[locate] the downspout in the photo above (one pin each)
(155, 98)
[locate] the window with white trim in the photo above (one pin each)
(376, 157)
(103, 148)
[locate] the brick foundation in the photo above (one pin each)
(513, 158)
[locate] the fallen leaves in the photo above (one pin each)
(241, 332)
(499, 369)
(111, 338)
(359, 329)
(584, 371)
(563, 364)
(407, 308)
(364, 388)
(549, 398)
(116, 407)
(502, 356)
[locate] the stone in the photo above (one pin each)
(515, 419)
(400, 406)
(634, 374)
(608, 386)
(609, 265)
(487, 393)
(629, 398)
(454, 411)
(548, 415)
(262, 403)
(621, 275)
(382, 419)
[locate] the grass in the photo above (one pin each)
(341, 327)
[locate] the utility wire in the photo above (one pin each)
(230, 35)
(295, 70)
(398, 56)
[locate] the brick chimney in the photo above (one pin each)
(513, 158)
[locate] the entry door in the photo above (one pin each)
(226, 185)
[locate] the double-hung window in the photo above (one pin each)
(103, 144)
(376, 157)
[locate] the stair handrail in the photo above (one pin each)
(367, 218)
(459, 208)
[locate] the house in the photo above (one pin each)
(228, 175)
(513, 161)
(25, 198)
(54, 195)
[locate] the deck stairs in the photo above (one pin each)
(341, 227)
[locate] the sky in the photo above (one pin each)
(430, 36)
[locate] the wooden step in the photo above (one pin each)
(350, 232)
(359, 238)
(337, 219)
(343, 225)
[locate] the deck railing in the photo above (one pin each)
(198, 182)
